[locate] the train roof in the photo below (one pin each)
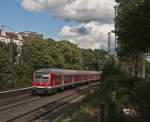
(66, 71)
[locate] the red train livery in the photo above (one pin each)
(47, 80)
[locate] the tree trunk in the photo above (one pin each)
(143, 66)
(100, 117)
(106, 112)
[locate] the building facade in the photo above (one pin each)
(8, 37)
(31, 35)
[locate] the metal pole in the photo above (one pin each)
(117, 61)
(115, 28)
(109, 42)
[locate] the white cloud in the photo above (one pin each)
(33, 5)
(87, 35)
(95, 19)
(74, 10)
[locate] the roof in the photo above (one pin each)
(66, 71)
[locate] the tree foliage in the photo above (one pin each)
(131, 92)
(93, 60)
(132, 30)
(16, 70)
(132, 27)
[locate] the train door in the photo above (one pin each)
(49, 80)
(62, 78)
(58, 79)
(52, 79)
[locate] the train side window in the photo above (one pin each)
(65, 78)
(68, 77)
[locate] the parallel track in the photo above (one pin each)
(19, 103)
(14, 93)
(44, 108)
(54, 108)
(14, 99)
(39, 112)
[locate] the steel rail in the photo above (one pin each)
(56, 106)
(12, 93)
(9, 106)
(51, 104)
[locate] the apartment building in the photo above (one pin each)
(7, 37)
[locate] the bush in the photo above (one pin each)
(142, 98)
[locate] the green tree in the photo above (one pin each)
(39, 53)
(132, 27)
(93, 59)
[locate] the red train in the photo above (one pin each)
(48, 80)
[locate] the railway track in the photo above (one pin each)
(10, 97)
(57, 109)
(32, 109)
(18, 103)
(14, 93)
(50, 107)
(14, 99)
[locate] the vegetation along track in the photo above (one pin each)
(31, 111)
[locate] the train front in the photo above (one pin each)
(41, 82)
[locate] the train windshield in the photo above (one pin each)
(41, 77)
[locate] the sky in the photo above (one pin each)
(83, 22)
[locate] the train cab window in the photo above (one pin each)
(45, 77)
(37, 76)
(41, 77)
